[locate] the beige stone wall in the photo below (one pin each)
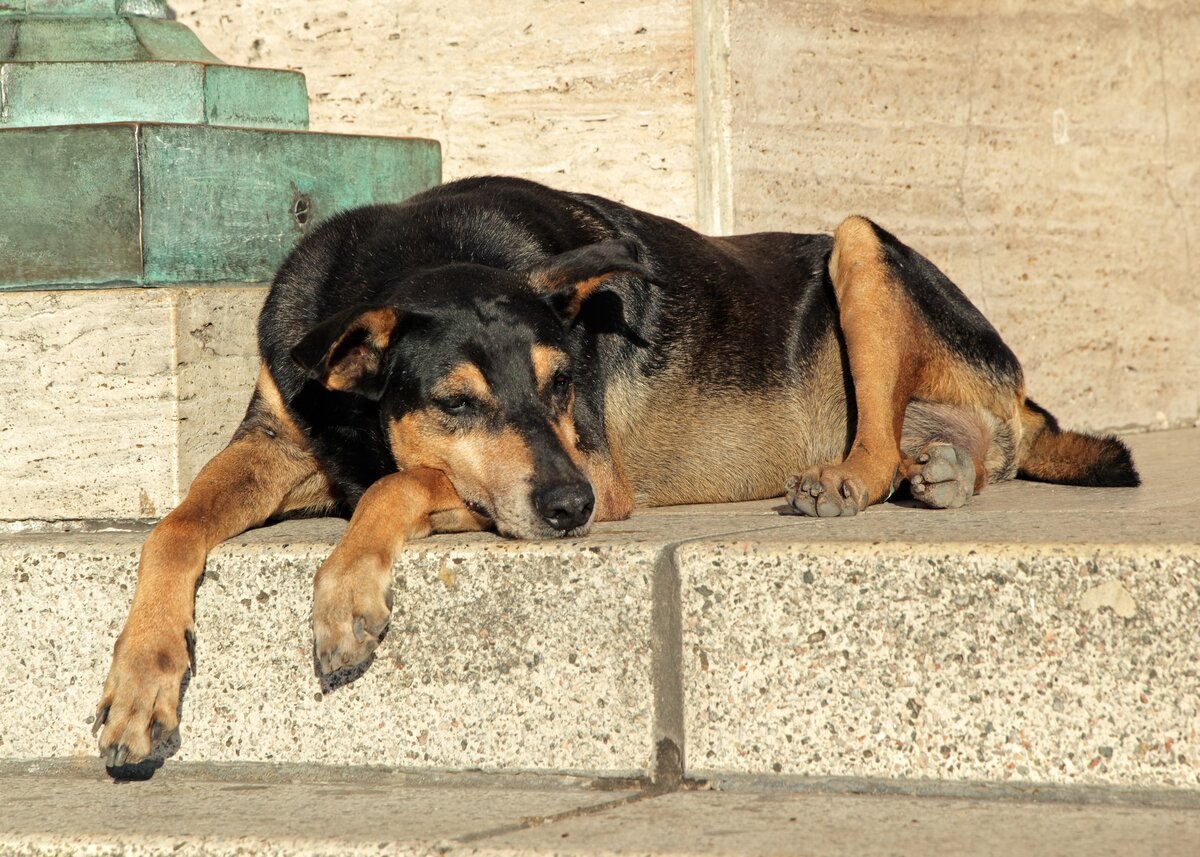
(1045, 155)
(113, 399)
(588, 95)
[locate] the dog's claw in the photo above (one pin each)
(116, 756)
(155, 732)
(189, 638)
(359, 633)
(101, 719)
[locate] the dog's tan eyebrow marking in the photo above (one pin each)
(546, 361)
(464, 379)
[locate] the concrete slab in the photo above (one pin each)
(259, 811)
(281, 810)
(821, 825)
(1040, 634)
(500, 655)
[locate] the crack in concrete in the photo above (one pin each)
(667, 773)
(5, 112)
(141, 193)
(546, 820)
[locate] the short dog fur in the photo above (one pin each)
(497, 354)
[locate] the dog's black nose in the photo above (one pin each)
(565, 506)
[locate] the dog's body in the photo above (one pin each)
(494, 353)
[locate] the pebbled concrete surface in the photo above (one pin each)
(1041, 634)
(247, 809)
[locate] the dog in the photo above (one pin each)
(496, 354)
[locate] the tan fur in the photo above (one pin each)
(266, 469)
(352, 589)
(464, 379)
(677, 443)
(613, 491)
(546, 361)
(878, 327)
(493, 469)
(895, 358)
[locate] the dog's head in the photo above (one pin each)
(470, 368)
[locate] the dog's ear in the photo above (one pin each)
(348, 352)
(569, 278)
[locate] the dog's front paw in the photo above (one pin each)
(828, 491)
(351, 608)
(140, 701)
(942, 476)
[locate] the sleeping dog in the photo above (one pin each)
(495, 354)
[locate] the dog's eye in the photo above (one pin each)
(561, 381)
(455, 405)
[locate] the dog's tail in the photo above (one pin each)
(1049, 454)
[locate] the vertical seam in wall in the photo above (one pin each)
(666, 669)
(4, 109)
(714, 86)
(668, 764)
(176, 295)
(137, 163)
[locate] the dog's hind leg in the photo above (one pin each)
(949, 452)
(878, 330)
(352, 591)
(265, 470)
(911, 336)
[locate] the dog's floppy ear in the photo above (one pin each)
(347, 352)
(569, 278)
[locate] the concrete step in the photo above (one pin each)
(293, 812)
(1040, 635)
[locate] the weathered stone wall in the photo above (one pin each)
(1043, 154)
(589, 95)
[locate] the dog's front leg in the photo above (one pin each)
(240, 488)
(352, 592)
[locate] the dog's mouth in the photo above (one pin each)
(519, 525)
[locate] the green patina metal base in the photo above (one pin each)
(148, 204)
(130, 155)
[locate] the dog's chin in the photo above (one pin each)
(531, 529)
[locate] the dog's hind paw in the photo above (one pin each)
(942, 476)
(827, 492)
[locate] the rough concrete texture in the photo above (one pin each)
(114, 398)
(594, 96)
(254, 811)
(1036, 152)
(1041, 634)
(973, 663)
(500, 654)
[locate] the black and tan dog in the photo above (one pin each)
(497, 354)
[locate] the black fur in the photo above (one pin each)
(743, 313)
